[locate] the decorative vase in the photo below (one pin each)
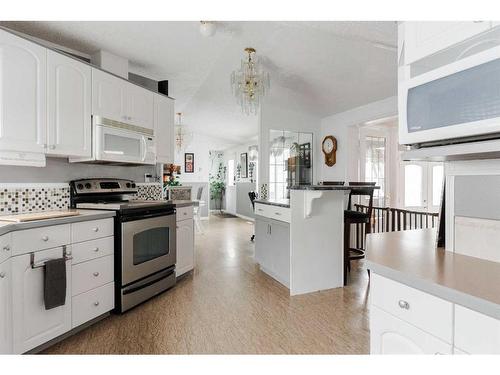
(263, 191)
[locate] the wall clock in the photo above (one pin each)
(329, 147)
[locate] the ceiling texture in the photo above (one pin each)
(320, 67)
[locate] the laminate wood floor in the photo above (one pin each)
(228, 306)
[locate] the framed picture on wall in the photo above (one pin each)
(244, 165)
(188, 162)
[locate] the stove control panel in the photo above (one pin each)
(103, 185)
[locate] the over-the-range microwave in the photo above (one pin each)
(118, 142)
(459, 100)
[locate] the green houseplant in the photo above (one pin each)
(218, 186)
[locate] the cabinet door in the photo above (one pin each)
(164, 129)
(33, 325)
(139, 106)
(108, 96)
(23, 80)
(5, 307)
(476, 333)
(185, 246)
(390, 335)
(280, 245)
(69, 105)
(261, 241)
(423, 38)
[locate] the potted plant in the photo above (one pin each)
(218, 186)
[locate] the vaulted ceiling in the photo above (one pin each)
(332, 66)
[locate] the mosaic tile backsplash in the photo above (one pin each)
(149, 191)
(23, 199)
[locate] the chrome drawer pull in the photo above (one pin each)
(96, 229)
(260, 209)
(96, 274)
(96, 303)
(96, 249)
(404, 305)
(45, 238)
(277, 213)
(6, 248)
(2, 275)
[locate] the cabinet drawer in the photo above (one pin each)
(184, 213)
(93, 303)
(273, 212)
(476, 333)
(391, 335)
(90, 230)
(5, 246)
(92, 274)
(432, 314)
(88, 250)
(28, 240)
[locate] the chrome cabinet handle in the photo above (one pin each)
(96, 303)
(6, 248)
(277, 213)
(404, 305)
(2, 275)
(45, 238)
(52, 147)
(96, 249)
(260, 209)
(96, 274)
(96, 229)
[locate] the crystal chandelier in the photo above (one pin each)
(250, 83)
(182, 136)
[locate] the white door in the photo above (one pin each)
(23, 105)
(33, 325)
(421, 186)
(390, 335)
(423, 38)
(108, 96)
(373, 166)
(69, 85)
(164, 128)
(139, 106)
(5, 307)
(185, 247)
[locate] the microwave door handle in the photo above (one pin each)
(145, 148)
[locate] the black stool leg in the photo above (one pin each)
(347, 235)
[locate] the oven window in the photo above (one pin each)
(151, 244)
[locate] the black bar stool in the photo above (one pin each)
(252, 195)
(356, 217)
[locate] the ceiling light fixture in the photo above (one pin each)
(250, 83)
(208, 28)
(182, 136)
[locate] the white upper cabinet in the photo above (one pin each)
(69, 106)
(119, 100)
(139, 106)
(108, 96)
(5, 307)
(23, 93)
(164, 128)
(423, 38)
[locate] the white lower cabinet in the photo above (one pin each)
(476, 333)
(91, 304)
(391, 335)
(5, 307)
(32, 324)
(185, 245)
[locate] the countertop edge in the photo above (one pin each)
(453, 295)
(86, 216)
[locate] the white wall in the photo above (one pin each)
(343, 126)
(275, 116)
(200, 145)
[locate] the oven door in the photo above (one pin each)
(148, 246)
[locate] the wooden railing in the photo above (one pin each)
(387, 219)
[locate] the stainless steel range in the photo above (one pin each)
(145, 237)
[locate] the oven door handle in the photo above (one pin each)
(133, 289)
(136, 217)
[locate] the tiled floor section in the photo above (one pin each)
(229, 306)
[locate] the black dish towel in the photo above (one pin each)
(55, 283)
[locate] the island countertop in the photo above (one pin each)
(410, 257)
(332, 187)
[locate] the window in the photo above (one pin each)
(423, 186)
(230, 174)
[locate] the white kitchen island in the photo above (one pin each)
(300, 242)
